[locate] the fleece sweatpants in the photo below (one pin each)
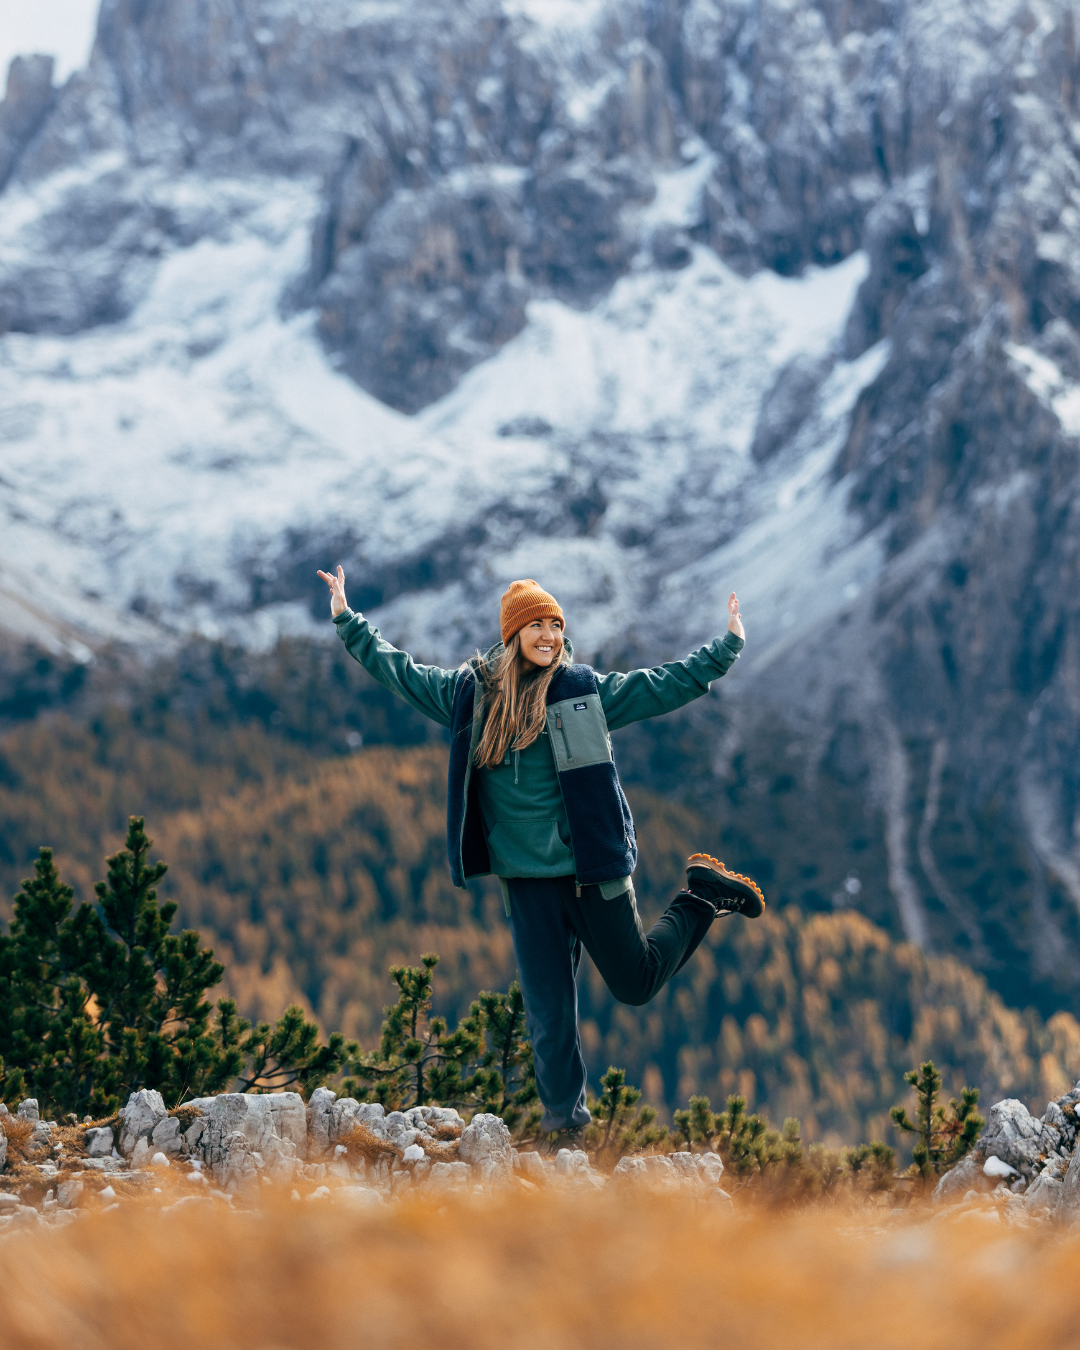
(550, 924)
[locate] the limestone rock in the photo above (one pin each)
(319, 1107)
(1014, 1135)
(530, 1165)
(3, 1151)
(967, 1175)
(68, 1192)
(269, 1125)
(571, 1163)
(166, 1136)
(140, 1154)
(99, 1141)
(1069, 1200)
(710, 1167)
(28, 1110)
(138, 1118)
(485, 1144)
(453, 1176)
(1044, 1193)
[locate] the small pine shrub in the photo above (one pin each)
(942, 1137)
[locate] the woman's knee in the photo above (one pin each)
(633, 990)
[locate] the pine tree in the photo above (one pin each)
(871, 1166)
(619, 1125)
(942, 1138)
(505, 1083)
(697, 1124)
(419, 1059)
(290, 1055)
(96, 1002)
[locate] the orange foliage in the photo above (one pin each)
(578, 1272)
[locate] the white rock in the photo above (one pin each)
(159, 1160)
(107, 1193)
(454, 1176)
(319, 1108)
(967, 1175)
(140, 1154)
(995, 1167)
(1013, 1134)
(413, 1154)
(166, 1136)
(485, 1144)
(99, 1141)
(3, 1151)
(68, 1192)
(571, 1163)
(711, 1168)
(530, 1165)
(28, 1110)
(143, 1111)
(629, 1170)
(8, 1201)
(1069, 1200)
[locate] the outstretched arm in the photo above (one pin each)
(661, 689)
(428, 689)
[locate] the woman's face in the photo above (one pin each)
(541, 641)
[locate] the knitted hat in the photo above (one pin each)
(523, 602)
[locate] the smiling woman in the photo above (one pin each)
(62, 29)
(535, 799)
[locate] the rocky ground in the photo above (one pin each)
(225, 1149)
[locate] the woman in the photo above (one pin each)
(534, 798)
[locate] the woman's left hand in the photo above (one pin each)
(734, 621)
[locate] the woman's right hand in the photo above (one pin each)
(337, 591)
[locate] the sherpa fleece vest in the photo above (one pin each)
(601, 827)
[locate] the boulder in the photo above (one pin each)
(269, 1124)
(1044, 1193)
(629, 1170)
(1015, 1136)
(398, 1130)
(167, 1138)
(3, 1151)
(28, 1110)
(530, 1166)
(710, 1168)
(99, 1141)
(68, 1192)
(137, 1120)
(967, 1175)
(238, 1163)
(485, 1144)
(319, 1107)
(571, 1163)
(347, 1112)
(451, 1176)
(1069, 1200)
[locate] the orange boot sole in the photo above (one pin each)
(737, 894)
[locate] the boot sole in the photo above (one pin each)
(748, 897)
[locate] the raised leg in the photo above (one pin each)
(635, 964)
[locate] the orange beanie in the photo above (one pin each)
(523, 602)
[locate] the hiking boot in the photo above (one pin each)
(728, 892)
(573, 1137)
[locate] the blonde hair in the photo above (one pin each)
(516, 703)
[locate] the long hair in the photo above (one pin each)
(517, 704)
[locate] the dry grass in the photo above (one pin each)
(548, 1270)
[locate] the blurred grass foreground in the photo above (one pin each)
(548, 1269)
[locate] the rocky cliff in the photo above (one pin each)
(652, 299)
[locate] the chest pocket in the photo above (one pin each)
(578, 732)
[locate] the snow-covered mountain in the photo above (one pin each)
(649, 299)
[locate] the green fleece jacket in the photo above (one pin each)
(521, 802)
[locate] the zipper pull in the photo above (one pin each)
(579, 890)
(566, 743)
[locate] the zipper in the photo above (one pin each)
(566, 743)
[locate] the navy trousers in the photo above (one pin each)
(550, 924)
